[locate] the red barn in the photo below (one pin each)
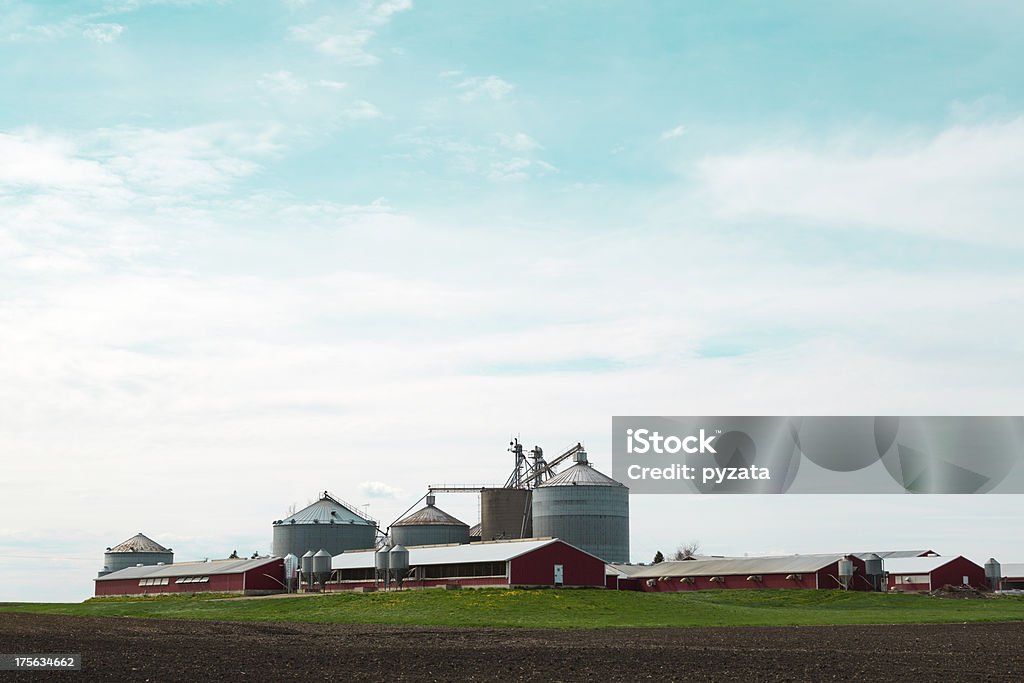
(521, 562)
(248, 577)
(929, 573)
(786, 571)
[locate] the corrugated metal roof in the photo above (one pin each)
(626, 570)
(188, 569)
(893, 553)
(785, 564)
(915, 565)
(581, 474)
(475, 530)
(429, 516)
(326, 511)
(139, 543)
(1012, 570)
(489, 551)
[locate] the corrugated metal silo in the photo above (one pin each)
(586, 509)
(398, 559)
(137, 550)
(291, 570)
(329, 524)
(429, 526)
(503, 513)
(321, 566)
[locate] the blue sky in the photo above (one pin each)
(385, 236)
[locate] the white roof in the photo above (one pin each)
(624, 569)
(490, 551)
(210, 568)
(893, 554)
(739, 566)
(915, 565)
(1012, 570)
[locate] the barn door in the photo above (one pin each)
(559, 575)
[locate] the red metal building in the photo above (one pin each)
(929, 573)
(520, 562)
(250, 577)
(788, 571)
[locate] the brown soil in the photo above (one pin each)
(142, 649)
(948, 591)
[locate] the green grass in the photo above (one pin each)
(585, 608)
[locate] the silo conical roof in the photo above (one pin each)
(139, 543)
(430, 515)
(327, 510)
(581, 474)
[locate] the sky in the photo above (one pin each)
(250, 251)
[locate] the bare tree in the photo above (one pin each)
(687, 551)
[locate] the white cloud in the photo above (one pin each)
(32, 159)
(282, 81)
(378, 489)
(672, 133)
(519, 142)
(330, 85)
(963, 183)
(103, 33)
(199, 159)
(479, 87)
(361, 110)
(117, 161)
(19, 24)
(345, 38)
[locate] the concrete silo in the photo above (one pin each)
(328, 524)
(429, 526)
(139, 549)
(586, 509)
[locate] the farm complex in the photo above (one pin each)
(557, 523)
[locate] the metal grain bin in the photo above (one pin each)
(845, 572)
(994, 573)
(381, 562)
(139, 550)
(328, 524)
(874, 570)
(398, 558)
(306, 566)
(505, 513)
(429, 526)
(321, 566)
(291, 568)
(586, 509)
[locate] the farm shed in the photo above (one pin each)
(249, 577)
(520, 562)
(787, 571)
(929, 573)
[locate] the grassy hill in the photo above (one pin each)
(585, 608)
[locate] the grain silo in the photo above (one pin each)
(139, 549)
(429, 526)
(586, 509)
(329, 524)
(505, 513)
